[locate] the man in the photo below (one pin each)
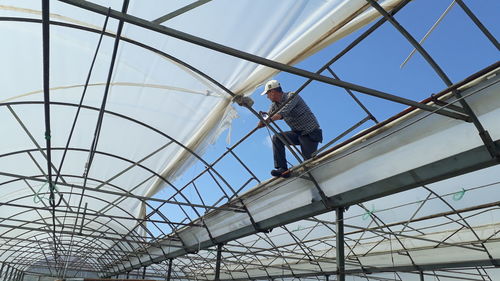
(305, 127)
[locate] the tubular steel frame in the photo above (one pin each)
(96, 256)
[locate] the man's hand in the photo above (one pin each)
(275, 117)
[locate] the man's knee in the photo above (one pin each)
(276, 139)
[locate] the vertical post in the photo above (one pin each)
(6, 276)
(128, 275)
(217, 264)
(327, 277)
(169, 272)
(340, 244)
(144, 273)
(1, 269)
(12, 272)
(422, 276)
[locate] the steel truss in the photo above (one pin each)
(67, 236)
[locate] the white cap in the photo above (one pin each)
(272, 84)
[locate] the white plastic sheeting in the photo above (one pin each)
(182, 109)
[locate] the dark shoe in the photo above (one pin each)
(280, 172)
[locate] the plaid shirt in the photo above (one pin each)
(296, 114)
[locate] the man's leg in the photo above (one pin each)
(307, 146)
(279, 148)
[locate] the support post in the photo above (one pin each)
(128, 275)
(340, 244)
(144, 273)
(217, 265)
(422, 276)
(169, 273)
(12, 274)
(1, 269)
(6, 276)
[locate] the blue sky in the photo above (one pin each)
(457, 45)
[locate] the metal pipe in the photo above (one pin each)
(340, 244)
(169, 272)
(217, 264)
(253, 58)
(478, 23)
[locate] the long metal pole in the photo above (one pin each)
(340, 244)
(478, 23)
(217, 264)
(144, 273)
(169, 272)
(46, 94)
(422, 276)
(253, 58)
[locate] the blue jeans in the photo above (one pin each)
(307, 146)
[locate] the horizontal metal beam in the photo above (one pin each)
(256, 59)
(468, 161)
(431, 169)
(369, 270)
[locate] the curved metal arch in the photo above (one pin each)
(125, 39)
(101, 200)
(34, 258)
(466, 223)
(129, 119)
(395, 235)
(159, 52)
(45, 236)
(274, 248)
(168, 57)
(96, 180)
(48, 242)
(109, 155)
(210, 167)
(12, 217)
